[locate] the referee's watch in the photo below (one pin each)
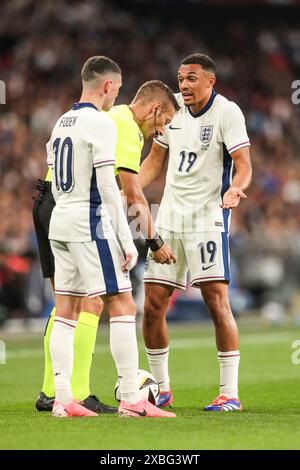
(154, 243)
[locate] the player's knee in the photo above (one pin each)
(121, 305)
(130, 307)
(218, 306)
(153, 307)
(221, 313)
(92, 305)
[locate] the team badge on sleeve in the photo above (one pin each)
(206, 134)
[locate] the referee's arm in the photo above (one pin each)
(153, 164)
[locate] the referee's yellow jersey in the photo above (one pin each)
(130, 139)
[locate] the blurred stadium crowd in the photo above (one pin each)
(42, 48)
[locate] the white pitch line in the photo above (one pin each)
(244, 339)
(265, 338)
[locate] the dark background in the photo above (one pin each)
(256, 46)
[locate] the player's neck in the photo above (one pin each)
(196, 108)
(90, 97)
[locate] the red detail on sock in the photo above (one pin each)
(65, 323)
(230, 355)
(157, 354)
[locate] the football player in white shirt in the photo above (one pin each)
(206, 136)
(91, 241)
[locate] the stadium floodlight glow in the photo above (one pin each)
(2, 92)
(2, 352)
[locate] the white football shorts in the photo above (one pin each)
(89, 268)
(203, 256)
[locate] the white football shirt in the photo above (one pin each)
(200, 166)
(82, 140)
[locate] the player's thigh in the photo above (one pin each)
(42, 210)
(100, 266)
(175, 274)
(67, 277)
(207, 256)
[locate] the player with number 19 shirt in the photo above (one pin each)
(203, 140)
(199, 173)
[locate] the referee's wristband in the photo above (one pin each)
(154, 243)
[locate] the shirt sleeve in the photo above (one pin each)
(234, 131)
(102, 139)
(129, 148)
(111, 197)
(163, 140)
(50, 154)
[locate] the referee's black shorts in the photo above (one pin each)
(42, 210)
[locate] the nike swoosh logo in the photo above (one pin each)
(174, 128)
(140, 413)
(204, 268)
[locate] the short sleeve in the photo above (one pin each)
(234, 131)
(129, 147)
(163, 140)
(103, 139)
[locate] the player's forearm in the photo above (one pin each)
(139, 209)
(149, 171)
(153, 165)
(112, 200)
(243, 176)
(243, 168)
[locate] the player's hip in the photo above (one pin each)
(89, 268)
(201, 257)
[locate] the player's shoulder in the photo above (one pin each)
(226, 106)
(180, 101)
(120, 110)
(122, 116)
(98, 120)
(124, 121)
(84, 115)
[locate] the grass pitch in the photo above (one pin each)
(269, 390)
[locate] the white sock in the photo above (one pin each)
(62, 355)
(158, 361)
(123, 346)
(229, 369)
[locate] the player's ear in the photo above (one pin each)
(156, 107)
(107, 86)
(212, 80)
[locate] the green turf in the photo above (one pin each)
(269, 388)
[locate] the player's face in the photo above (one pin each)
(195, 83)
(155, 125)
(162, 119)
(113, 92)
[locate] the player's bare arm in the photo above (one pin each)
(133, 191)
(153, 164)
(241, 180)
